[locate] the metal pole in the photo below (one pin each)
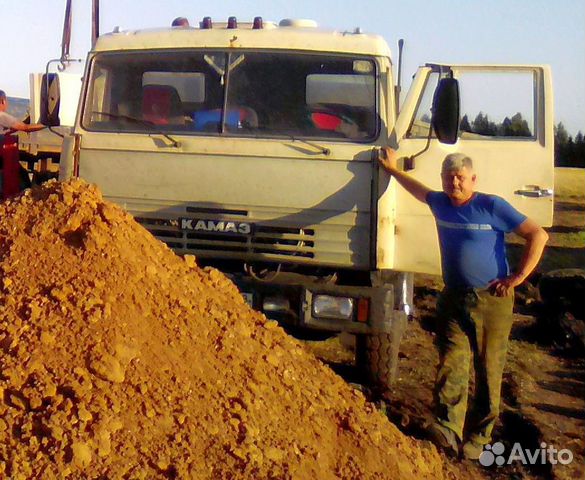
(66, 40)
(399, 75)
(95, 21)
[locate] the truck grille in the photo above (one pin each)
(264, 241)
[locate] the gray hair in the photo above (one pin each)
(456, 161)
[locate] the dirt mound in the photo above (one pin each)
(119, 359)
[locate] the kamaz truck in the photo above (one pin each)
(253, 146)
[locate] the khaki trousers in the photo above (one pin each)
(471, 321)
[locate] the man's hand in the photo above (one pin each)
(388, 159)
(536, 239)
(27, 128)
(502, 287)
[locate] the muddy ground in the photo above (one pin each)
(543, 392)
(544, 384)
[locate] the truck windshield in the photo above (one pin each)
(243, 93)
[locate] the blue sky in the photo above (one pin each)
(451, 31)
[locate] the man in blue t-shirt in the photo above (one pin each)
(475, 308)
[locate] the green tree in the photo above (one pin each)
(569, 152)
(464, 126)
(483, 126)
(519, 127)
(561, 145)
(561, 134)
(505, 129)
(579, 150)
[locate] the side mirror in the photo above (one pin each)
(445, 119)
(50, 100)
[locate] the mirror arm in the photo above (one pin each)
(409, 163)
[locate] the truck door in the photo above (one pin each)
(506, 127)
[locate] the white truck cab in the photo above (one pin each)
(254, 148)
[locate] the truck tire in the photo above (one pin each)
(24, 178)
(377, 356)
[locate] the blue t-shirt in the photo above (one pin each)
(471, 238)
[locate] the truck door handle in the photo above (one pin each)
(534, 191)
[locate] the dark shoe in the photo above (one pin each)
(444, 438)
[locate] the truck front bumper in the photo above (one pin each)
(319, 306)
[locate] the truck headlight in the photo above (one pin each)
(275, 304)
(328, 306)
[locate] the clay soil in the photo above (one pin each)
(121, 360)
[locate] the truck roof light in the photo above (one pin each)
(298, 23)
(232, 22)
(258, 23)
(206, 23)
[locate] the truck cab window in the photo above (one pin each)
(493, 105)
(248, 93)
(421, 123)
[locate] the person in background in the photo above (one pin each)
(9, 124)
(474, 310)
(180, 22)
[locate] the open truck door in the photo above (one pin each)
(505, 126)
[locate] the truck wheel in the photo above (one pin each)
(377, 356)
(24, 178)
(42, 177)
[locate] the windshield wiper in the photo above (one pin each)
(140, 121)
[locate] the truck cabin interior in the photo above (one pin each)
(271, 94)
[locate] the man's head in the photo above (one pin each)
(3, 101)
(458, 178)
(180, 22)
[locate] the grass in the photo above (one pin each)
(576, 240)
(569, 190)
(570, 185)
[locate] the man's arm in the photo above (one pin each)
(536, 239)
(389, 160)
(25, 127)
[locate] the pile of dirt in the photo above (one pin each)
(119, 359)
